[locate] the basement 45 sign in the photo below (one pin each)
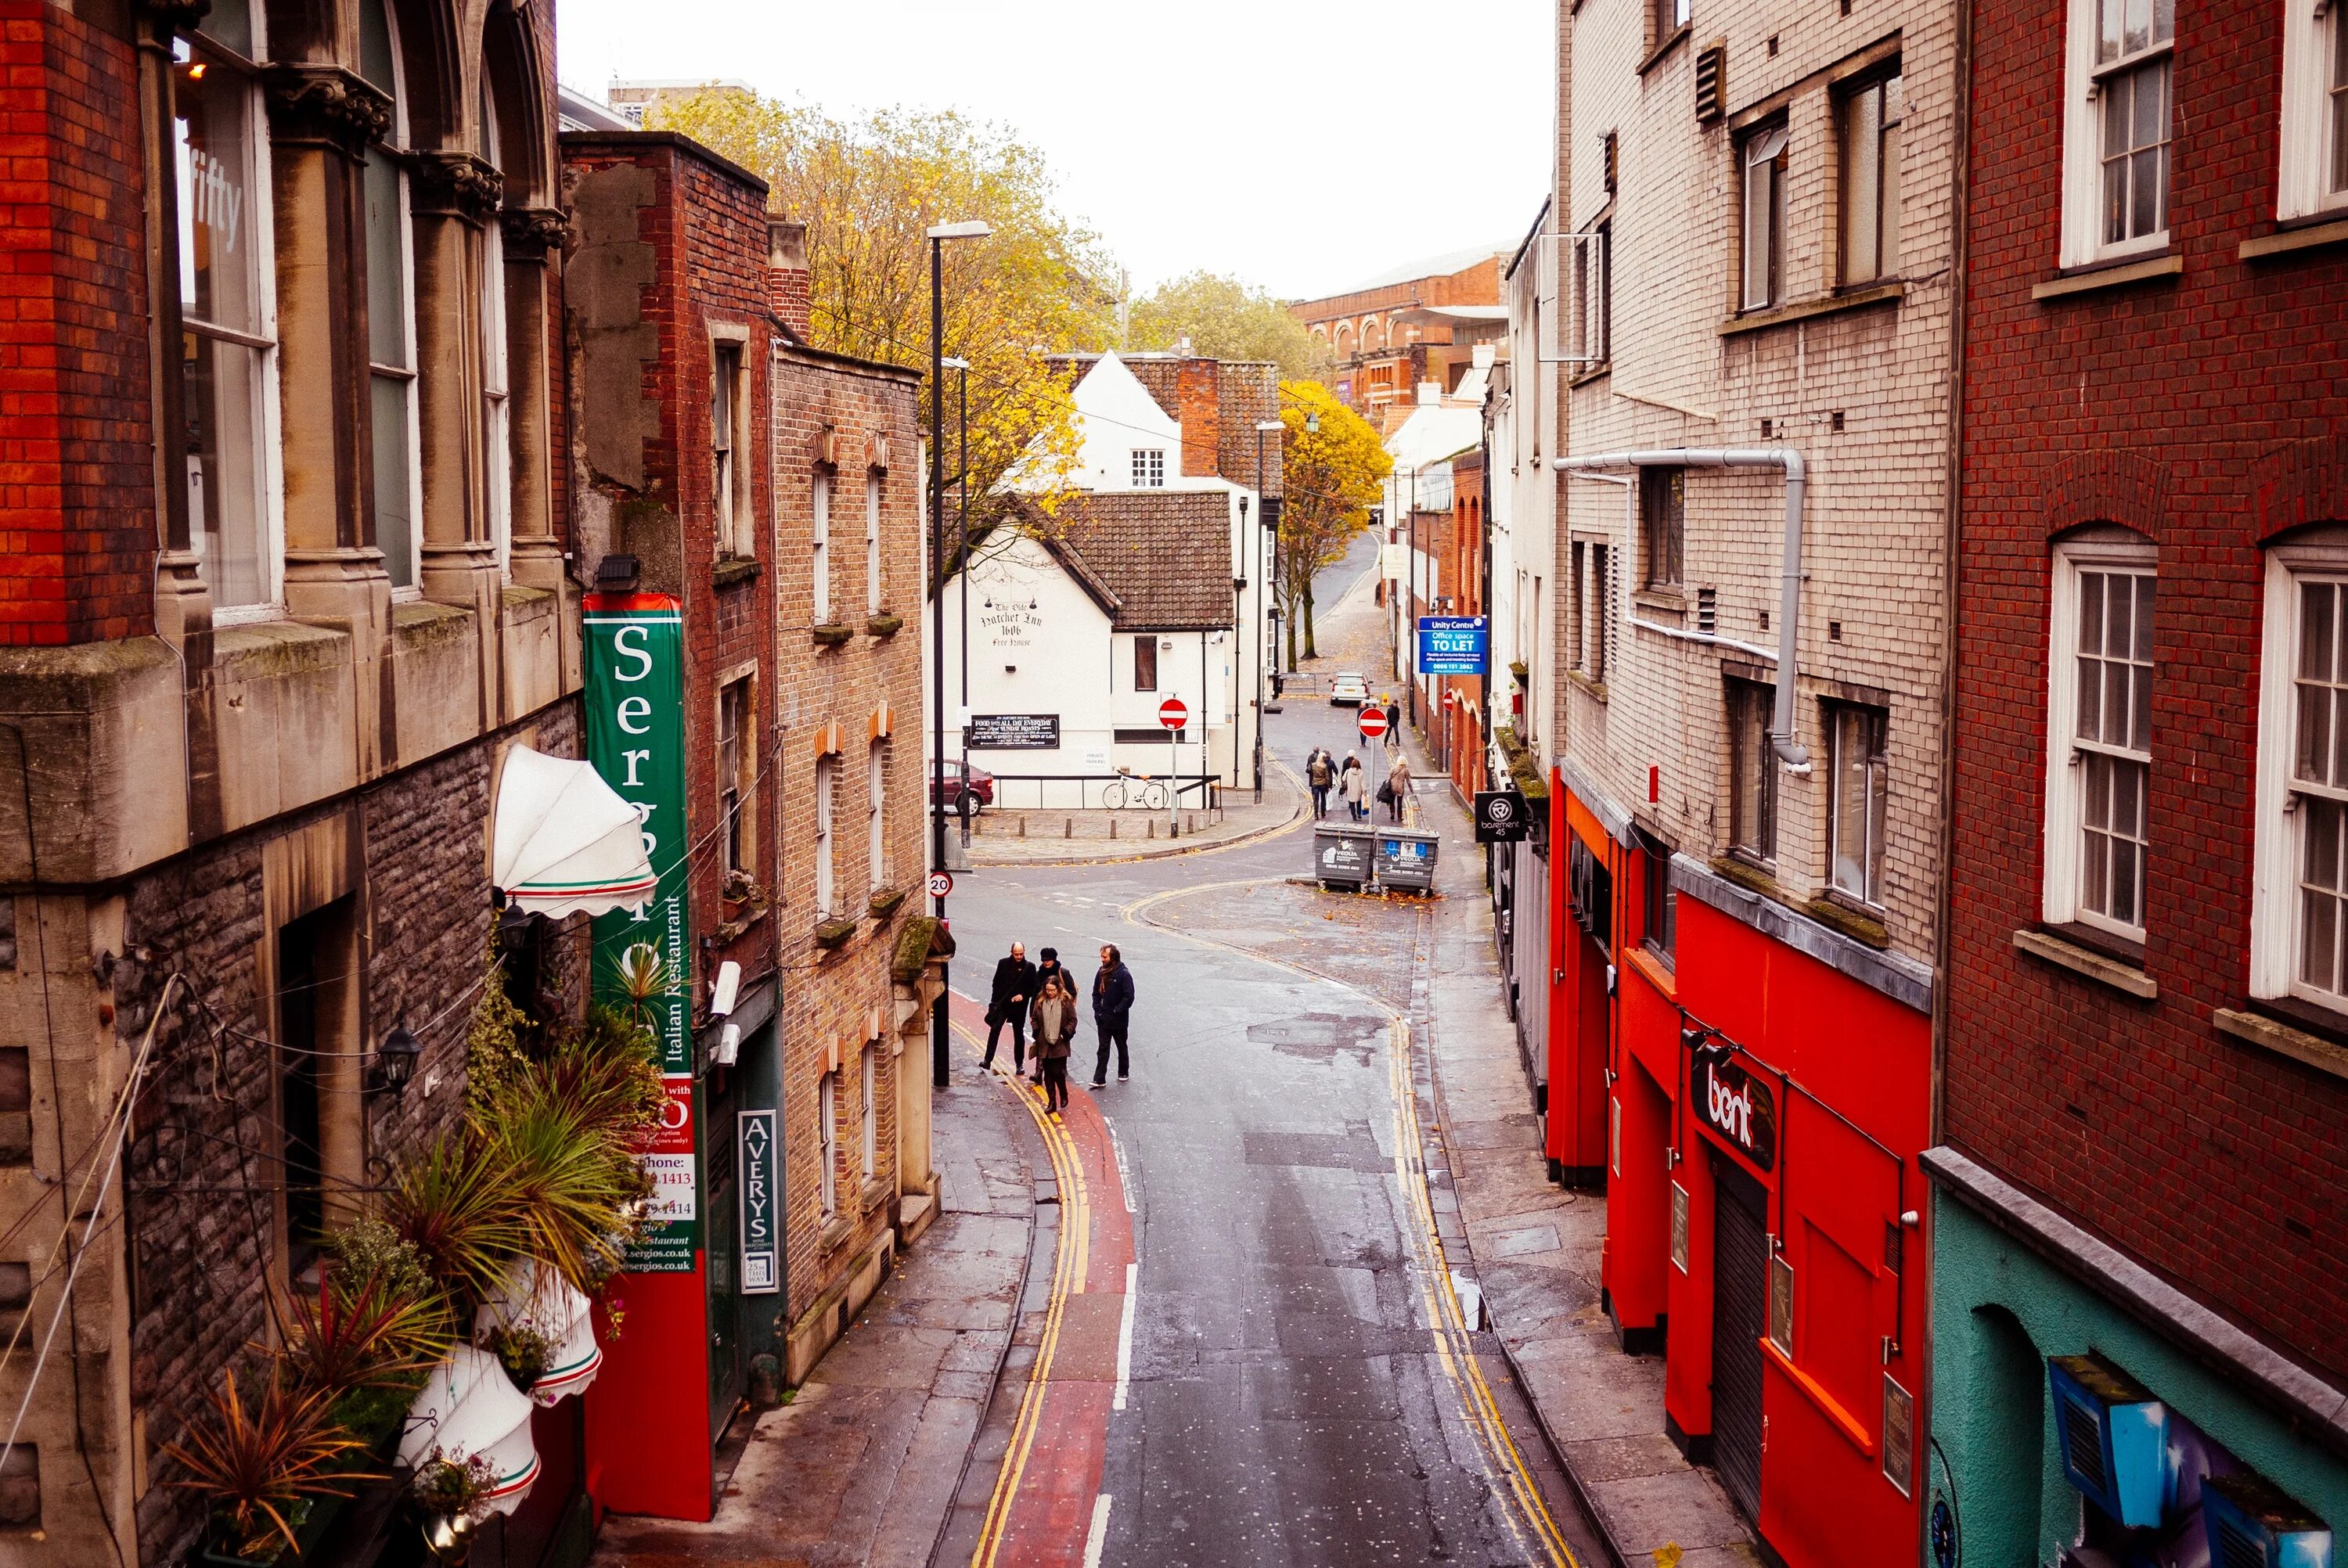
(636, 738)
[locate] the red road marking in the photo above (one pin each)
(1049, 1517)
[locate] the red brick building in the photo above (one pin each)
(2144, 1051)
(770, 492)
(1404, 329)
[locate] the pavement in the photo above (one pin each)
(862, 1465)
(1098, 837)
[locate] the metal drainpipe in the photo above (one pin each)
(1789, 599)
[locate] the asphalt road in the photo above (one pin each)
(1291, 1402)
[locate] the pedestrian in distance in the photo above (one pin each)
(1398, 785)
(1353, 786)
(1394, 724)
(1006, 1007)
(1112, 1013)
(1055, 1025)
(1049, 966)
(1320, 774)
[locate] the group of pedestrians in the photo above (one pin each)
(1045, 995)
(1350, 780)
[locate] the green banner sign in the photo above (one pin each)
(636, 738)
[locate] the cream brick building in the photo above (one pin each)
(1749, 296)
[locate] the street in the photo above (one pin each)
(1300, 1385)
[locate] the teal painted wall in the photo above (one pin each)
(1998, 1312)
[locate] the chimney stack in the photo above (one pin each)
(1198, 399)
(787, 274)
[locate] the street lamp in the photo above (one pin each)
(939, 1057)
(1267, 518)
(961, 529)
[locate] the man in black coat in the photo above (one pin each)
(1112, 1013)
(1015, 986)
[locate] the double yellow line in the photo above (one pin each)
(1454, 1347)
(1071, 1259)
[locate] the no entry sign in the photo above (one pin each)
(1373, 721)
(1172, 713)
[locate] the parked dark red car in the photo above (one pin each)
(962, 787)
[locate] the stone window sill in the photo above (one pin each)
(1665, 47)
(872, 1195)
(1596, 689)
(2269, 1034)
(2095, 279)
(2284, 241)
(733, 571)
(836, 1232)
(2070, 955)
(1805, 310)
(1598, 372)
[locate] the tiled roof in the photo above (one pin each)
(1246, 391)
(1163, 556)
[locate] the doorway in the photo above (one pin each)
(1740, 1282)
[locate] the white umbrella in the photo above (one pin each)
(564, 840)
(469, 1406)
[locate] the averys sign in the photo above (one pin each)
(1738, 1105)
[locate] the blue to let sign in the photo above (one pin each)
(1453, 644)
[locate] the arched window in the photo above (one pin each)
(496, 437)
(227, 315)
(391, 312)
(1344, 340)
(1373, 336)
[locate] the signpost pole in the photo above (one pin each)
(1174, 780)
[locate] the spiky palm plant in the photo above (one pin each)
(255, 1461)
(365, 1337)
(458, 1207)
(572, 1188)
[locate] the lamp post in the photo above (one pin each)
(962, 533)
(939, 1057)
(1266, 519)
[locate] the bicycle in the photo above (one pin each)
(1129, 790)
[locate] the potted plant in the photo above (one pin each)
(521, 1350)
(261, 1465)
(453, 1494)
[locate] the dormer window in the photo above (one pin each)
(1149, 467)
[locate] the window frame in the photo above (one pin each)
(497, 383)
(1145, 642)
(1751, 706)
(261, 344)
(733, 486)
(2312, 173)
(876, 806)
(827, 885)
(867, 1132)
(2106, 549)
(1663, 527)
(1772, 220)
(827, 1144)
(2277, 840)
(873, 597)
(1149, 467)
(1836, 721)
(1660, 938)
(1887, 87)
(406, 376)
(737, 805)
(1666, 20)
(2086, 83)
(820, 542)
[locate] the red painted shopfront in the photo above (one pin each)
(1763, 1113)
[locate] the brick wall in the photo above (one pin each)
(78, 545)
(2189, 408)
(833, 694)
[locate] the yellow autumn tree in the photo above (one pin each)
(868, 190)
(1332, 463)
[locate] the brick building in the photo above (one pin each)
(766, 495)
(272, 607)
(1752, 257)
(1416, 324)
(2147, 1028)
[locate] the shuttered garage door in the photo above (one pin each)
(1740, 1282)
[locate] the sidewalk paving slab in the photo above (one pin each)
(862, 1465)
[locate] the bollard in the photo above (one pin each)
(1067, 828)
(1023, 826)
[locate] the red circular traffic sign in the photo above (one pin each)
(941, 884)
(1172, 713)
(1373, 721)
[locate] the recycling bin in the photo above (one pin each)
(1407, 859)
(1343, 854)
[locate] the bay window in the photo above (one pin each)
(2116, 166)
(227, 313)
(391, 317)
(2299, 937)
(2313, 166)
(2100, 729)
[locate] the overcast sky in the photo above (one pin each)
(1301, 147)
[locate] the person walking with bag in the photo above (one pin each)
(1320, 774)
(1006, 1006)
(1353, 785)
(1055, 1025)
(1044, 970)
(1112, 1013)
(1398, 785)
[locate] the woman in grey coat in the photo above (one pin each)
(1056, 1025)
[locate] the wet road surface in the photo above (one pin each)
(1302, 1388)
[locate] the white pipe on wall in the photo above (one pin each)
(1786, 460)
